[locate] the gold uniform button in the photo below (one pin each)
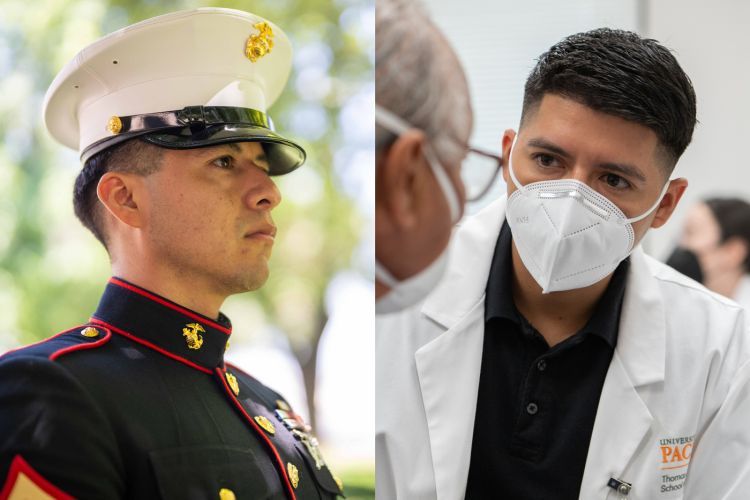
(265, 424)
(226, 494)
(339, 483)
(90, 332)
(293, 474)
(232, 381)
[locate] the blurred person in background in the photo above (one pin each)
(169, 117)
(715, 247)
(423, 122)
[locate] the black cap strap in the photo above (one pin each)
(195, 117)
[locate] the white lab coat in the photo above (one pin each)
(678, 378)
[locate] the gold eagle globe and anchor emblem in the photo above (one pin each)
(192, 333)
(261, 43)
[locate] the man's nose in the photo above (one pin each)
(262, 193)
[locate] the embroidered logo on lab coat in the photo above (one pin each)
(674, 459)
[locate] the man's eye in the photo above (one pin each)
(616, 182)
(225, 162)
(545, 160)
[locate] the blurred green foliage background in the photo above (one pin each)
(52, 271)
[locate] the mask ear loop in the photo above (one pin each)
(399, 126)
(384, 276)
(653, 207)
(510, 167)
(449, 192)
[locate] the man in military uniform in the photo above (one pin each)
(169, 118)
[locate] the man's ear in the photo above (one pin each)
(507, 142)
(669, 202)
(116, 191)
(399, 173)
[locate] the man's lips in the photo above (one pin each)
(263, 233)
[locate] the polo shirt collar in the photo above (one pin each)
(604, 321)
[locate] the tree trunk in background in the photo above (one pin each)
(308, 361)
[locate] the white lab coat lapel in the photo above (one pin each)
(623, 419)
(449, 366)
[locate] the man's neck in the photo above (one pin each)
(182, 290)
(556, 315)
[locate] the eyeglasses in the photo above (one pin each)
(478, 172)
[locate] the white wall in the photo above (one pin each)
(712, 42)
(499, 42)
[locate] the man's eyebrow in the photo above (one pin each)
(538, 142)
(627, 170)
(623, 168)
(232, 145)
(213, 149)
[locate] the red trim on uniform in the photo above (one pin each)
(149, 345)
(171, 305)
(41, 341)
(81, 347)
(259, 432)
(18, 466)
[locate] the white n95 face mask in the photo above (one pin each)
(407, 292)
(568, 235)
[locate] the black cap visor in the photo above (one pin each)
(282, 155)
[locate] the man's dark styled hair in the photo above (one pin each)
(621, 74)
(133, 156)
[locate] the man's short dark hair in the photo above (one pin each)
(621, 74)
(133, 156)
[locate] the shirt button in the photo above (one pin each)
(532, 408)
(541, 365)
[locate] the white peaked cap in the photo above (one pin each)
(225, 66)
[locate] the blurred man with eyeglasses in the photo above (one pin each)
(423, 123)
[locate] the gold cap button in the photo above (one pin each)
(265, 424)
(90, 332)
(226, 494)
(293, 474)
(114, 125)
(232, 381)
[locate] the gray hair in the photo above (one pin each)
(419, 78)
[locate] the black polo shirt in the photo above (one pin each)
(536, 405)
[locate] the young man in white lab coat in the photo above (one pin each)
(556, 359)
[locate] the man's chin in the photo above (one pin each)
(252, 280)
